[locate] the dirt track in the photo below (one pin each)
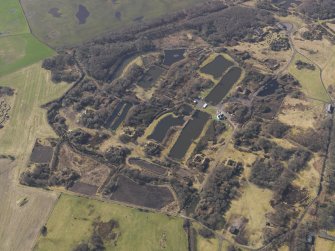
(19, 226)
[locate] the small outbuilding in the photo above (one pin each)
(330, 108)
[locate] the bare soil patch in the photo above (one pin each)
(41, 154)
(83, 188)
(142, 195)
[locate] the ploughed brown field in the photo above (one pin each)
(142, 195)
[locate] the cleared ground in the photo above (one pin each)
(72, 218)
(104, 15)
(27, 122)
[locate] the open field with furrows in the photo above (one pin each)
(309, 79)
(27, 119)
(71, 224)
(12, 20)
(27, 122)
(56, 23)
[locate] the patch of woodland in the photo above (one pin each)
(266, 5)
(303, 65)
(269, 99)
(103, 233)
(313, 33)
(152, 149)
(253, 80)
(286, 197)
(206, 233)
(265, 172)
(199, 162)
(43, 176)
(280, 44)
(304, 236)
(6, 91)
(117, 155)
(276, 129)
(275, 170)
(217, 194)
(83, 140)
(63, 68)
(241, 112)
(321, 9)
(279, 221)
(280, 7)
(232, 25)
(267, 95)
(326, 215)
(188, 196)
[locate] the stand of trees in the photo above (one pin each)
(321, 9)
(216, 196)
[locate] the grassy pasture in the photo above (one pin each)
(19, 51)
(324, 245)
(310, 80)
(12, 19)
(71, 223)
(105, 15)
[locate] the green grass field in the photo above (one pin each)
(65, 30)
(27, 119)
(18, 48)
(12, 20)
(310, 80)
(19, 51)
(71, 223)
